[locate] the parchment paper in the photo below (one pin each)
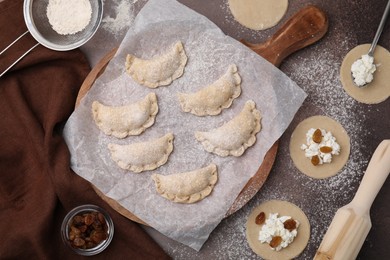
(157, 27)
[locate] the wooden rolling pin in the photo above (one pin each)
(351, 224)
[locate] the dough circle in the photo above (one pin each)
(303, 163)
(376, 91)
(258, 14)
(284, 208)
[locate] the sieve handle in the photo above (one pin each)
(21, 57)
(12, 43)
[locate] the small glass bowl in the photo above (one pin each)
(83, 209)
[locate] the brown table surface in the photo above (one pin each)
(315, 69)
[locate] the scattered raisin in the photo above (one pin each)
(83, 228)
(326, 149)
(97, 225)
(89, 219)
(315, 160)
(317, 136)
(98, 236)
(260, 219)
(72, 236)
(75, 230)
(78, 242)
(290, 224)
(101, 218)
(78, 220)
(275, 242)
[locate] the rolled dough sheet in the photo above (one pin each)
(376, 91)
(284, 208)
(258, 14)
(303, 163)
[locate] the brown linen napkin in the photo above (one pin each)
(37, 186)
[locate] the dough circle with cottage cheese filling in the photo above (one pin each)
(284, 208)
(258, 14)
(303, 163)
(376, 91)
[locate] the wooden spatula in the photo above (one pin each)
(351, 224)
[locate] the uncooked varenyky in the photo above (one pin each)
(122, 121)
(212, 99)
(142, 156)
(187, 187)
(235, 136)
(160, 70)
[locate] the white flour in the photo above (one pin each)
(122, 18)
(69, 16)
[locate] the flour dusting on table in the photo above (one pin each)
(121, 19)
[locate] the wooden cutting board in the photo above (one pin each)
(304, 28)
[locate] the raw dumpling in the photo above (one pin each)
(212, 99)
(160, 70)
(235, 136)
(126, 120)
(144, 156)
(187, 187)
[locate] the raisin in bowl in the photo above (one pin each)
(87, 230)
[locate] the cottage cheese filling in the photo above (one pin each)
(312, 148)
(274, 226)
(363, 70)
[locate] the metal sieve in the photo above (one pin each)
(39, 27)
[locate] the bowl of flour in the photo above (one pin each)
(62, 25)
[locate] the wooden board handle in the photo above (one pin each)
(304, 28)
(377, 171)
